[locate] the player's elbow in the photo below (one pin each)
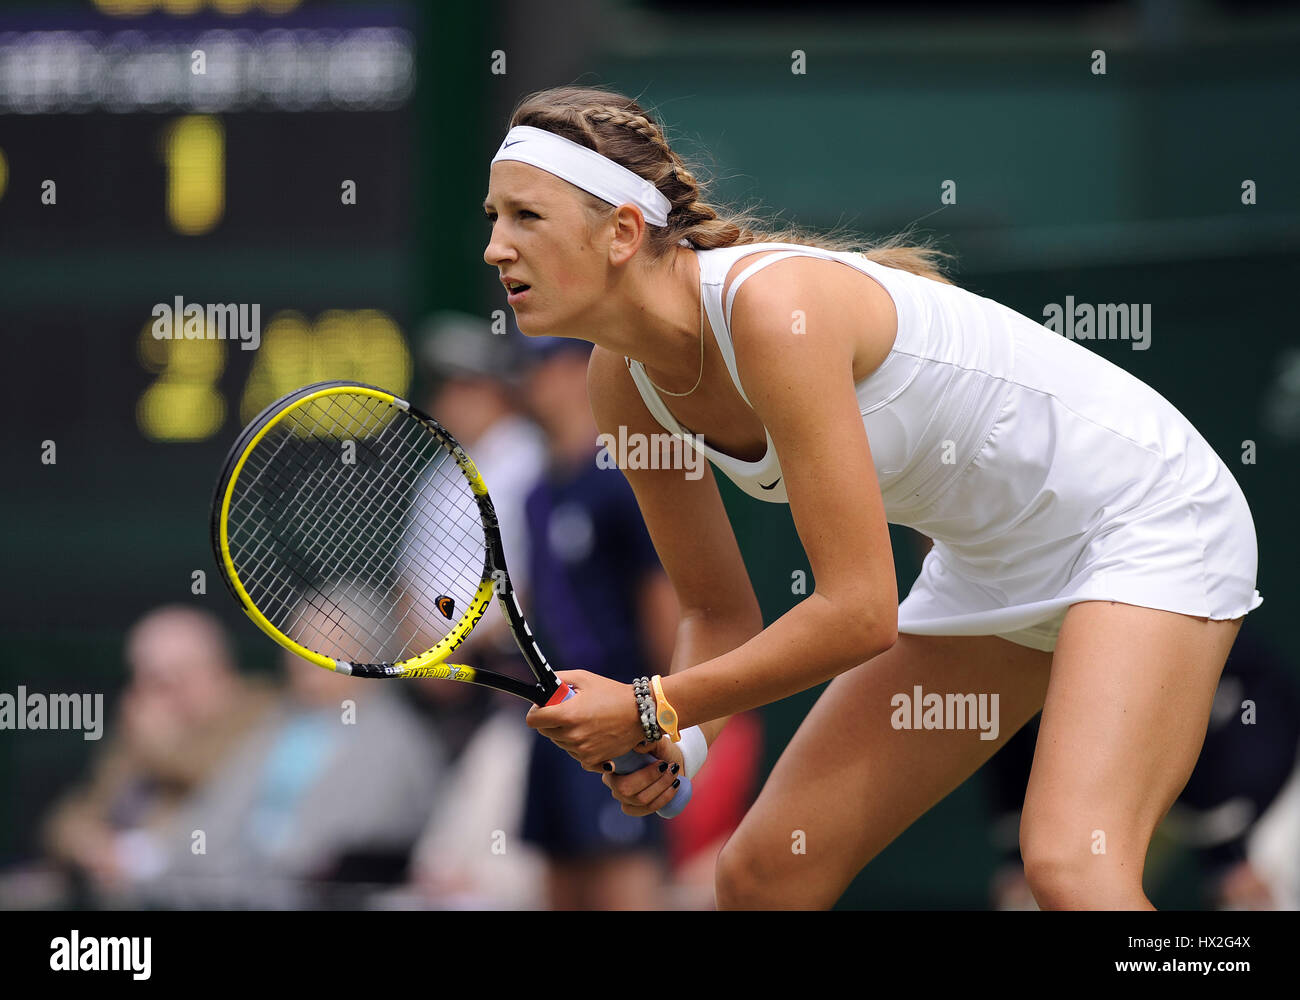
(864, 627)
(878, 635)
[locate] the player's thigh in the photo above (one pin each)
(852, 779)
(1123, 723)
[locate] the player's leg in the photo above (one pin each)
(1125, 716)
(849, 782)
(625, 880)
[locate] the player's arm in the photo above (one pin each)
(801, 386)
(688, 524)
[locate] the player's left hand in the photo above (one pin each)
(600, 722)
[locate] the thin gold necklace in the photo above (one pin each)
(700, 377)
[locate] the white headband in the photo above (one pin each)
(584, 168)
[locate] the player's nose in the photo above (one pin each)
(497, 251)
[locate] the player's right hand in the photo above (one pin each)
(651, 788)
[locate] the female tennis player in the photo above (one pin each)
(1092, 556)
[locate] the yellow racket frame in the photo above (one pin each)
(430, 663)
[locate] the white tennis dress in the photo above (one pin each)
(1044, 474)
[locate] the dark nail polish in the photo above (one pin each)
(676, 782)
(663, 766)
(676, 768)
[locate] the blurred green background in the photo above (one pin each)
(1122, 187)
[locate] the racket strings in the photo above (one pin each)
(346, 561)
(454, 496)
(294, 596)
(356, 559)
(312, 493)
(352, 557)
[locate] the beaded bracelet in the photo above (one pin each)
(645, 706)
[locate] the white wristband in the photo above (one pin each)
(694, 748)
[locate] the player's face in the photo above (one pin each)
(540, 237)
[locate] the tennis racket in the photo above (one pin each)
(355, 531)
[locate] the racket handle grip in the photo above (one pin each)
(630, 762)
(634, 761)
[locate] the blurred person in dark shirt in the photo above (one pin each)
(1249, 755)
(601, 602)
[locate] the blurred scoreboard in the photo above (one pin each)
(238, 159)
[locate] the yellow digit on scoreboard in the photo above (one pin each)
(183, 402)
(194, 149)
(364, 345)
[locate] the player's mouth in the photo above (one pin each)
(515, 292)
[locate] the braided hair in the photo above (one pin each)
(620, 129)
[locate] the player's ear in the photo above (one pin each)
(627, 230)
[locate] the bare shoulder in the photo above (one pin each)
(803, 305)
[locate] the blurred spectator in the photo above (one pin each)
(1249, 754)
(472, 376)
(184, 710)
(1272, 855)
(601, 602)
(470, 854)
(335, 785)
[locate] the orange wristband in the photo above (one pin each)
(666, 714)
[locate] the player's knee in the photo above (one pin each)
(1072, 877)
(733, 886)
(1052, 867)
(742, 881)
(1056, 882)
